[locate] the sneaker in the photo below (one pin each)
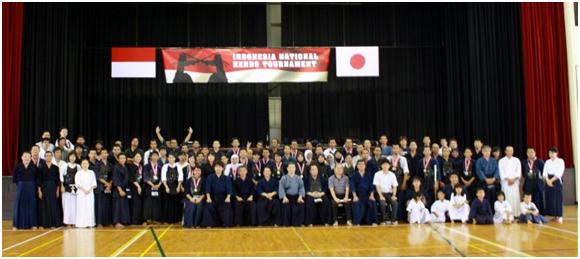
(348, 223)
(383, 224)
(335, 224)
(395, 222)
(374, 224)
(388, 222)
(560, 220)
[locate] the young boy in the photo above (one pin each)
(530, 213)
(480, 209)
(440, 208)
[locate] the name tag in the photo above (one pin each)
(154, 193)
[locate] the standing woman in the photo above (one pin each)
(553, 171)
(24, 175)
(152, 209)
(194, 200)
(103, 199)
(68, 188)
(85, 182)
(48, 193)
(172, 178)
(135, 170)
(120, 196)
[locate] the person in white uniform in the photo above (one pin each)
(459, 209)
(503, 210)
(85, 182)
(440, 208)
(510, 172)
(417, 211)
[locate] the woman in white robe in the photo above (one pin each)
(503, 210)
(510, 172)
(68, 189)
(459, 209)
(85, 182)
(440, 208)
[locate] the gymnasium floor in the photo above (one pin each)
(552, 239)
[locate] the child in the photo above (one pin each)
(530, 213)
(417, 211)
(480, 209)
(440, 208)
(459, 209)
(503, 210)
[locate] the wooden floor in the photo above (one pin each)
(552, 239)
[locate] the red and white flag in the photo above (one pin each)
(357, 61)
(133, 62)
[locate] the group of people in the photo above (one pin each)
(281, 185)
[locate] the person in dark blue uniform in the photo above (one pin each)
(135, 170)
(172, 179)
(430, 176)
(480, 211)
(218, 209)
(25, 211)
(244, 199)
(364, 205)
(466, 170)
(103, 199)
(487, 172)
(291, 190)
(533, 182)
(316, 201)
(152, 207)
(48, 192)
(194, 200)
(268, 204)
(121, 192)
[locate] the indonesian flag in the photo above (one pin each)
(357, 61)
(133, 62)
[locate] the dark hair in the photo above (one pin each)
(495, 149)
(553, 150)
(122, 154)
(47, 152)
(500, 193)
(360, 161)
(384, 161)
(458, 186)
(480, 189)
(218, 163)
(417, 195)
(154, 153)
(440, 191)
(527, 194)
(57, 149)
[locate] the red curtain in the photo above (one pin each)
(546, 79)
(12, 14)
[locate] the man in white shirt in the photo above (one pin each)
(331, 147)
(510, 172)
(45, 135)
(385, 183)
(152, 147)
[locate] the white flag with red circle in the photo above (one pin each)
(357, 61)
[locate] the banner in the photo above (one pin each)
(245, 65)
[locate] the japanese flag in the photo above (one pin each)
(357, 61)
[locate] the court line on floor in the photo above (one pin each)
(559, 229)
(447, 240)
(204, 253)
(302, 240)
(128, 243)
(30, 239)
(487, 242)
(483, 250)
(558, 236)
(41, 246)
(154, 242)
